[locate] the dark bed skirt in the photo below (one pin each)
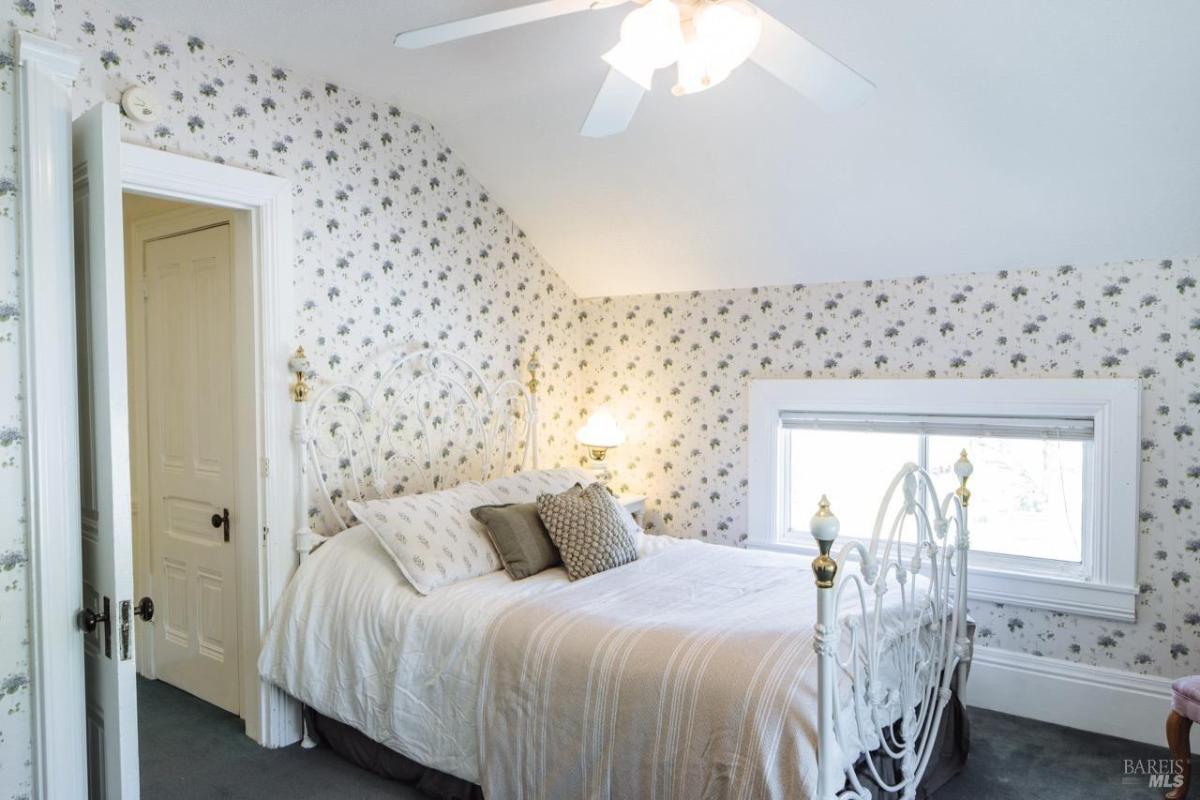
(357, 748)
(947, 760)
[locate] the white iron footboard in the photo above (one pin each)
(921, 634)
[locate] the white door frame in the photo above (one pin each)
(265, 560)
(45, 77)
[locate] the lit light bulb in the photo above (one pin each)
(651, 38)
(722, 35)
(695, 74)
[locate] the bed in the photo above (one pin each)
(694, 671)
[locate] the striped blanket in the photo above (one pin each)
(689, 674)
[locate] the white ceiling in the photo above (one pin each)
(1002, 135)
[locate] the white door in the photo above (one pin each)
(104, 458)
(189, 383)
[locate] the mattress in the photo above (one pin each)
(353, 640)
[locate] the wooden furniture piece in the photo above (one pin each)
(1185, 709)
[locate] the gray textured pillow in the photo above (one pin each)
(519, 537)
(588, 530)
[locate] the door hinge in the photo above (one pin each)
(266, 467)
(266, 533)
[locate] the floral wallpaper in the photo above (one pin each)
(674, 369)
(396, 244)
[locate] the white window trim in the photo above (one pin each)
(1105, 587)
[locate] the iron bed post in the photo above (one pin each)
(824, 526)
(298, 365)
(531, 436)
(962, 470)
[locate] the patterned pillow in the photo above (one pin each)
(432, 537)
(588, 530)
(526, 486)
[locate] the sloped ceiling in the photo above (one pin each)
(1002, 135)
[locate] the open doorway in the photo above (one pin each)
(94, 696)
(81, 580)
(183, 265)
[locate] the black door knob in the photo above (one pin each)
(87, 620)
(222, 521)
(145, 609)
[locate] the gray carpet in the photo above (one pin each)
(190, 749)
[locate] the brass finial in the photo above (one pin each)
(824, 527)
(962, 470)
(823, 507)
(533, 368)
(298, 365)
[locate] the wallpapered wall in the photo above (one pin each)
(674, 369)
(395, 243)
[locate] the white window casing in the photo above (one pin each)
(1105, 412)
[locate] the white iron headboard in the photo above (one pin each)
(421, 421)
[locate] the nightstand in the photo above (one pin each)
(636, 505)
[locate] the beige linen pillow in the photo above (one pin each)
(520, 538)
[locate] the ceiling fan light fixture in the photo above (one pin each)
(631, 65)
(695, 74)
(728, 32)
(651, 38)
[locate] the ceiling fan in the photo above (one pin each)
(705, 39)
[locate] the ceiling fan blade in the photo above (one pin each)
(614, 107)
(807, 68)
(509, 18)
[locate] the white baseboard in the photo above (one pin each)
(1096, 699)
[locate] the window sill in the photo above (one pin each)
(1052, 592)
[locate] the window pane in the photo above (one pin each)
(852, 468)
(1027, 494)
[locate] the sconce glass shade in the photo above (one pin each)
(651, 38)
(720, 38)
(601, 431)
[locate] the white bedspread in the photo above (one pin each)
(351, 639)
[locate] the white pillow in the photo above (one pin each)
(635, 531)
(525, 486)
(432, 537)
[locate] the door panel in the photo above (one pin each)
(109, 673)
(189, 369)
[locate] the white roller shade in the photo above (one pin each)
(1064, 428)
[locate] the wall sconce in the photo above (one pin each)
(599, 435)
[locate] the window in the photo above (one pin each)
(1031, 469)
(1053, 522)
